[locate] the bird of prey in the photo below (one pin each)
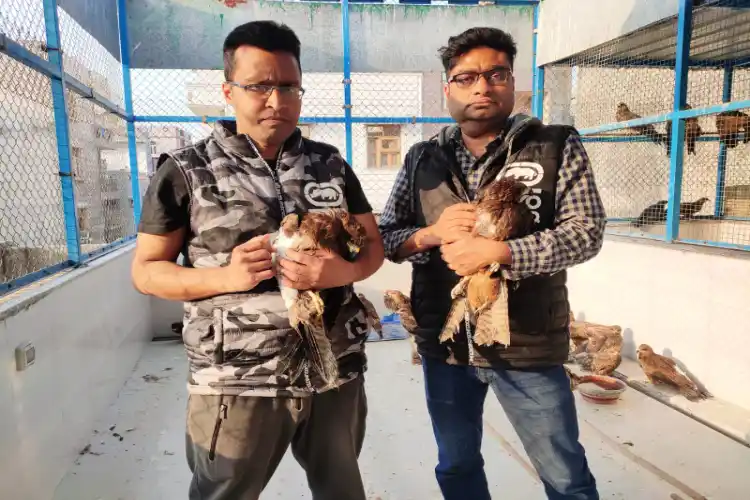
(400, 304)
(595, 348)
(624, 114)
(688, 209)
(482, 298)
(693, 130)
(333, 230)
(662, 370)
(653, 214)
(729, 124)
(373, 318)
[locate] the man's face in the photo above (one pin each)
(269, 118)
(487, 98)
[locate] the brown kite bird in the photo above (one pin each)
(663, 370)
(400, 304)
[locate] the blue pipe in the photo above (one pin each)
(684, 33)
(726, 96)
(537, 98)
(347, 79)
(135, 188)
(302, 119)
(62, 130)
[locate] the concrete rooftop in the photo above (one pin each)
(638, 449)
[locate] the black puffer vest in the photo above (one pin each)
(538, 306)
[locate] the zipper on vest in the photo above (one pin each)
(217, 428)
(274, 176)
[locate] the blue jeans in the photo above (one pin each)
(538, 403)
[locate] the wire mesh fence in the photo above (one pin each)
(23, 22)
(32, 232)
(632, 163)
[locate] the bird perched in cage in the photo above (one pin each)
(334, 230)
(663, 370)
(693, 130)
(373, 318)
(400, 304)
(729, 124)
(688, 209)
(483, 296)
(652, 214)
(624, 114)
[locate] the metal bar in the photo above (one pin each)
(611, 127)
(720, 244)
(638, 138)
(135, 188)
(537, 97)
(302, 119)
(347, 79)
(111, 246)
(62, 129)
(27, 279)
(726, 96)
(684, 31)
(47, 68)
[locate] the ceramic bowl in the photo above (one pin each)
(601, 389)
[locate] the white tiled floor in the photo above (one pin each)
(638, 449)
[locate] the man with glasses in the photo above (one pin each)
(427, 220)
(251, 394)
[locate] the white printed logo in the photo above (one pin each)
(324, 194)
(530, 174)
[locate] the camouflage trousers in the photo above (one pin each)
(235, 443)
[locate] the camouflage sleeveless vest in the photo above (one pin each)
(242, 344)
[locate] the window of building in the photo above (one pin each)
(384, 146)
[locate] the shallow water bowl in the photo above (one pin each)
(601, 389)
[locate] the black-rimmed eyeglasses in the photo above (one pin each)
(495, 76)
(263, 90)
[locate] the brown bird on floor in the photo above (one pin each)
(663, 370)
(688, 209)
(595, 348)
(373, 318)
(624, 114)
(483, 296)
(693, 130)
(400, 304)
(333, 230)
(729, 124)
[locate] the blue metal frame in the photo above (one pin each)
(135, 187)
(302, 119)
(537, 97)
(726, 96)
(347, 79)
(684, 32)
(59, 100)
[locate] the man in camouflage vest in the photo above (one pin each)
(217, 202)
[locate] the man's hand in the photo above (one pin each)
(249, 264)
(322, 270)
(468, 255)
(455, 222)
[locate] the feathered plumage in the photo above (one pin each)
(693, 130)
(400, 304)
(663, 370)
(373, 318)
(595, 348)
(482, 297)
(334, 230)
(653, 214)
(730, 124)
(624, 114)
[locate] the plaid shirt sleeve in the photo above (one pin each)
(580, 219)
(397, 222)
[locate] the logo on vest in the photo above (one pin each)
(324, 194)
(530, 174)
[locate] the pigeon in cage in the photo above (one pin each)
(334, 230)
(730, 124)
(653, 214)
(624, 114)
(693, 131)
(400, 304)
(688, 209)
(663, 370)
(482, 298)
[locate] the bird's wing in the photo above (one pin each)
(372, 315)
(455, 317)
(493, 325)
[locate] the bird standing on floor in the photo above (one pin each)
(730, 124)
(652, 214)
(596, 348)
(663, 370)
(624, 114)
(483, 296)
(688, 209)
(333, 230)
(400, 304)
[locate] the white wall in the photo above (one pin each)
(570, 26)
(89, 327)
(690, 301)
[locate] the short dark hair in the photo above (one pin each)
(473, 38)
(266, 35)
